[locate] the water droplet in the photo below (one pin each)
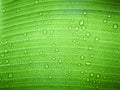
(105, 20)
(25, 51)
(90, 47)
(17, 10)
(98, 76)
(72, 20)
(88, 34)
(2, 55)
(87, 79)
(54, 58)
(94, 81)
(79, 64)
(82, 57)
(53, 44)
(35, 71)
(83, 27)
(115, 26)
(91, 74)
(51, 32)
(88, 63)
(81, 72)
(36, 2)
(50, 77)
(44, 31)
(72, 2)
(56, 49)
(81, 22)
(84, 38)
(30, 61)
(91, 55)
(60, 61)
(6, 42)
(40, 13)
(41, 52)
(3, 10)
(6, 61)
(84, 12)
(6, 51)
(113, 77)
(36, 26)
(25, 34)
(97, 39)
(109, 16)
(77, 28)
(10, 44)
(46, 66)
(70, 27)
(10, 75)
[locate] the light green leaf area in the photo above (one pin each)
(59, 45)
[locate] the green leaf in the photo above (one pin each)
(59, 45)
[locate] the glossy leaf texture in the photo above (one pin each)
(59, 45)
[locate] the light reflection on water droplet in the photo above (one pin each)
(81, 22)
(115, 26)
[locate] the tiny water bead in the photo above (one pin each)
(72, 20)
(51, 31)
(50, 77)
(84, 39)
(81, 72)
(17, 10)
(83, 27)
(53, 44)
(3, 10)
(54, 58)
(115, 26)
(105, 20)
(6, 61)
(6, 51)
(82, 57)
(44, 31)
(35, 71)
(40, 13)
(69, 27)
(88, 34)
(30, 61)
(109, 16)
(87, 79)
(25, 51)
(79, 64)
(25, 34)
(2, 55)
(41, 52)
(60, 61)
(98, 76)
(6, 42)
(91, 74)
(36, 2)
(85, 13)
(91, 55)
(96, 38)
(10, 75)
(76, 28)
(90, 47)
(81, 22)
(56, 49)
(46, 66)
(88, 63)
(36, 26)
